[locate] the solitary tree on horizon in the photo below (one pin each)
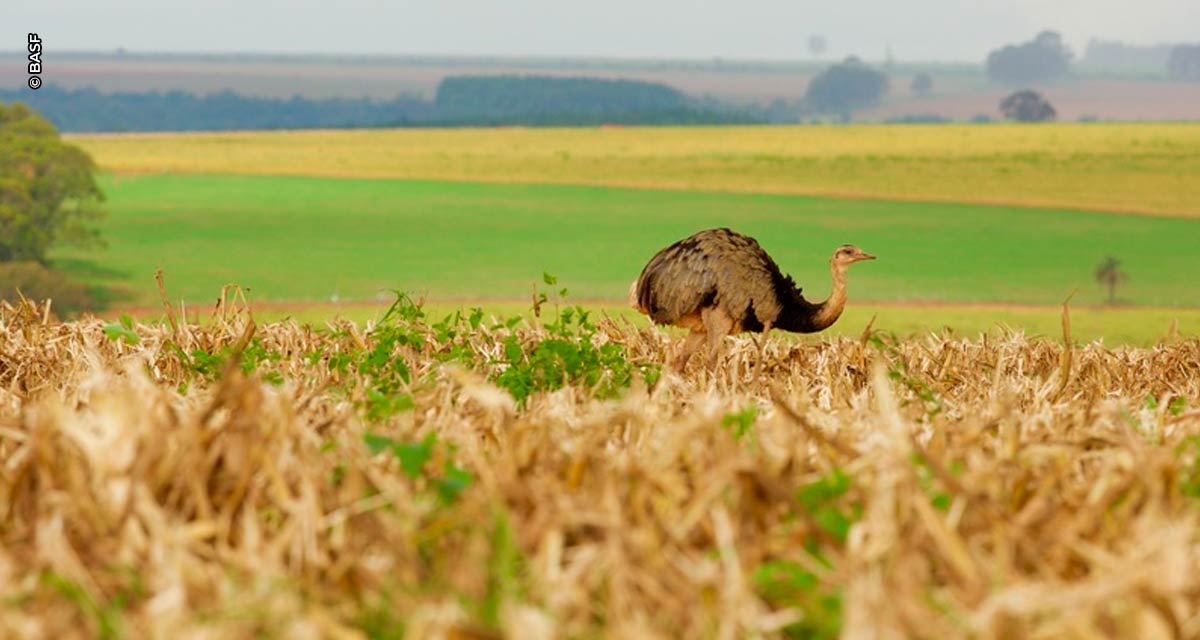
(1109, 274)
(1027, 106)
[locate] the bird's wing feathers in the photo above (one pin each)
(676, 282)
(714, 267)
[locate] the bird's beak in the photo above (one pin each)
(866, 256)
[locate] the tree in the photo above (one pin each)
(1109, 274)
(1027, 106)
(1041, 60)
(48, 194)
(1184, 62)
(922, 84)
(817, 45)
(846, 87)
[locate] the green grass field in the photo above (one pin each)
(1149, 168)
(477, 215)
(293, 238)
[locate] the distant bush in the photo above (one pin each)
(38, 283)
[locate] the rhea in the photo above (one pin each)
(719, 282)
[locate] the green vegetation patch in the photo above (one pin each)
(317, 239)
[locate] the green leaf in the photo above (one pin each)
(825, 490)
(118, 332)
(782, 580)
(381, 405)
(453, 482)
(549, 279)
(1177, 405)
(414, 455)
(741, 421)
(375, 443)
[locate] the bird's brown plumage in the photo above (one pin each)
(720, 281)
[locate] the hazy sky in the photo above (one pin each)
(754, 29)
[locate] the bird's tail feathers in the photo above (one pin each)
(633, 298)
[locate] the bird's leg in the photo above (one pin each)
(690, 345)
(761, 342)
(717, 324)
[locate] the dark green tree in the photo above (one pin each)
(48, 194)
(1041, 60)
(1109, 275)
(1027, 106)
(846, 87)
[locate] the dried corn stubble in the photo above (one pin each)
(232, 480)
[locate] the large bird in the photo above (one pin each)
(719, 282)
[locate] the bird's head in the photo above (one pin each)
(847, 255)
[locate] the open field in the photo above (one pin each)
(468, 480)
(1147, 168)
(298, 238)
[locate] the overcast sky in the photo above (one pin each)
(923, 30)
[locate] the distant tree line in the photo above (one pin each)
(509, 100)
(555, 100)
(1113, 55)
(1184, 63)
(1046, 59)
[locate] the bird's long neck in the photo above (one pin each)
(806, 317)
(827, 313)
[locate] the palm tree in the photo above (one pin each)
(1109, 274)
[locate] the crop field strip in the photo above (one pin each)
(1140, 168)
(1128, 326)
(421, 477)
